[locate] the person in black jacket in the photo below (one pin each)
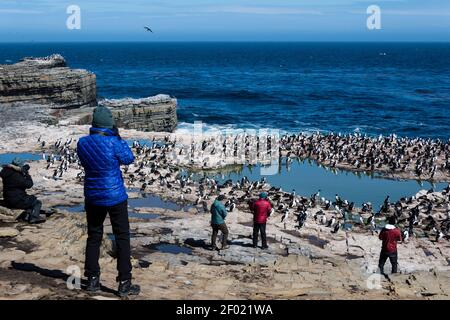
(16, 180)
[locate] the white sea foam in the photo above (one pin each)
(186, 128)
(228, 129)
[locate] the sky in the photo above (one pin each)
(224, 20)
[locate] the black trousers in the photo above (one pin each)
(30, 204)
(392, 258)
(259, 228)
(215, 230)
(118, 215)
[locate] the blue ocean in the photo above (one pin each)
(373, 88)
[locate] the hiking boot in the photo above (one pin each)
(36, 220)
(128, 289)
(93, 284)
(264, 247)
(225, 247)
(24, 216)
(34, 217)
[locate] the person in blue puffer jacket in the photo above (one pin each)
(101, 153)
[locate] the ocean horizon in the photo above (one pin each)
(371, 88)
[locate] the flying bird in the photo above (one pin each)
(148, 29)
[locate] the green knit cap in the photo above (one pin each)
(18, 162)
(102, 118)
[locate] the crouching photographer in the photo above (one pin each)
(16, 180)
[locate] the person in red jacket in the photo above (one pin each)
(389, 236)
(261, 209)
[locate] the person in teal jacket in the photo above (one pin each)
(218, 215)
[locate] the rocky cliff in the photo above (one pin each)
(157, 113)
(47, 81)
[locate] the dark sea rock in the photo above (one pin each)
(157, 113)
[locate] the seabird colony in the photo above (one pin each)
(166, 166)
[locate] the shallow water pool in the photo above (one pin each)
(306, 178)
(169, 248)
(153, 201)
(6, 158)
(80, 210)
(147, 201)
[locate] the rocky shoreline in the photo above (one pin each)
(307, 263)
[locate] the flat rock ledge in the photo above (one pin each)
(8, 232)
(157, 113)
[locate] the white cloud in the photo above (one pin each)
(183, 11)
(259, 10)
(412, 12)
(417, 12)
(19, 11)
